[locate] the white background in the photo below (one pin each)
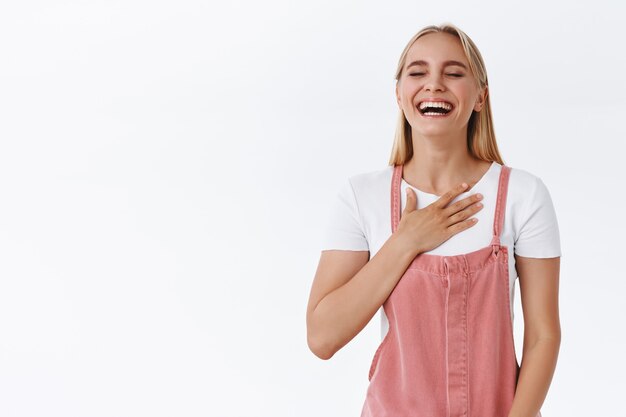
(166, 168)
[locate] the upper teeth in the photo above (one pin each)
(441, 104)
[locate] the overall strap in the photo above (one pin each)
(395, 197)
(498, 219)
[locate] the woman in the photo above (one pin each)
(440, 268)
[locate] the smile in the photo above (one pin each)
(434, 109)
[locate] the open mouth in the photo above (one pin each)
(434, 108)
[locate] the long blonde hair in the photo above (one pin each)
(481, 138)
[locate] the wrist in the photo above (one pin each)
(406, 247)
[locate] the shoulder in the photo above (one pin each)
(527, 186)
(523, 179)
(362, 188)
(365, 184)
(528, 198)
(371, 181)
(367, 191)
(535, 224)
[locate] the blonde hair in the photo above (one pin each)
(481, 138)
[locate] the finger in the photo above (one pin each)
(450, 195)
(465, 213)
(457, 206)
(460, 226)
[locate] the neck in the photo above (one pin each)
(439, 164)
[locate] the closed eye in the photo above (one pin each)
(421, 73)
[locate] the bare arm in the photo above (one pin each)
(335, 319)
(539, 287)
(348, 289)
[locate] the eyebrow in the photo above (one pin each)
(445, 64)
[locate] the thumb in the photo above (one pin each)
(411, 201)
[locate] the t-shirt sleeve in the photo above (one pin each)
(343, 228)
(538, 236)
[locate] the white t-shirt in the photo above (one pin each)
(359, 219)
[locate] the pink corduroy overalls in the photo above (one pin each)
(449, 350)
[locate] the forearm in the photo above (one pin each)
(343, 313)
(536, 371)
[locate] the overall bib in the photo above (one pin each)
(449, 350)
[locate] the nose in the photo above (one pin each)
(433, 83)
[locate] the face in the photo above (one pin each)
(428, 75)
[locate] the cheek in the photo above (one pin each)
(408, 92)
(467, 92)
